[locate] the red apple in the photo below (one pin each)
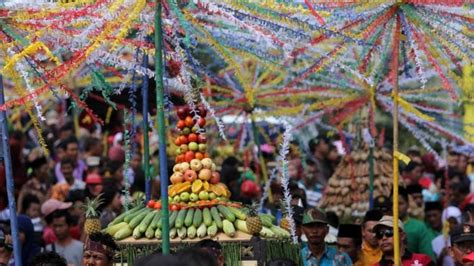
(190, 175)
(181, 124)
(180, 158)
(188, 156)
(183, 140)
(176, 178)
(199, 155)
(182, 112)
(202, 111)
(189, 121)
(205, 174)
(177, 141)
(215, 178)
(201, 122)
(201, 138)
(192, 137)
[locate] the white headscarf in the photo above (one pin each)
(451, 212)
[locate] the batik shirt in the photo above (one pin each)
(331, 257)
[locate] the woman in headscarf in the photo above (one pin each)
(29, 248)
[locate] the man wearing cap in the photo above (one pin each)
(315, 228)
(384, 233)
(462, 244)
(433, 211)
(371, 252)
(349, 240)
(383, 204)
(47, 209)
(94, 185)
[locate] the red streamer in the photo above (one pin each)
(318, 17)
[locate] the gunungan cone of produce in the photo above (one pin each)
(348, 190)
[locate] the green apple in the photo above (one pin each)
(193, 197)
(212, 196)
(184, 196)
(203, 195)
(176, 199)
(193, 146)
(186, 131)
(170, 199)
(195, 129)
(202, 147)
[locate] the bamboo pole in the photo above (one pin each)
(9, 178)
(146, 142)
(160, 114)
(396, 234)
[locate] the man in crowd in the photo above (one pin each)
(433, 211)
(315, 228)
(349, 240)
(441, 244)
(71, 148)
(212, 247)
(462, 244)
(415, 199)
(418, 237)
(384, 231)
(319, 148)
(371, 252)
(99, 249)
(310, 184)
(65, 245)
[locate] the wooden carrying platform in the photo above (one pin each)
(250, 250)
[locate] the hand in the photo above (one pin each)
(5, 254)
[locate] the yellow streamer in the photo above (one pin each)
(401, 157)
(409, 108)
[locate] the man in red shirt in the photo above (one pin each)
(384, 234)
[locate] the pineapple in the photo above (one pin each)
(253, 221)
(284, 220)
(92, 223)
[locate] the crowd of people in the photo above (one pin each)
(435, 200)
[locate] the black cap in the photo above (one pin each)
(433, 205)
(372, 215)
(462, 233)
(413, 189)
(349, 231)
(382, 203)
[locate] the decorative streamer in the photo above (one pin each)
(220, 125)
(266, 188)
(285, 180)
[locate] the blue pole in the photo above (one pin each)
(9, 178)
(146, 145)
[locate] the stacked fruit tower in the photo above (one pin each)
(199, 203)
(348, 190)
